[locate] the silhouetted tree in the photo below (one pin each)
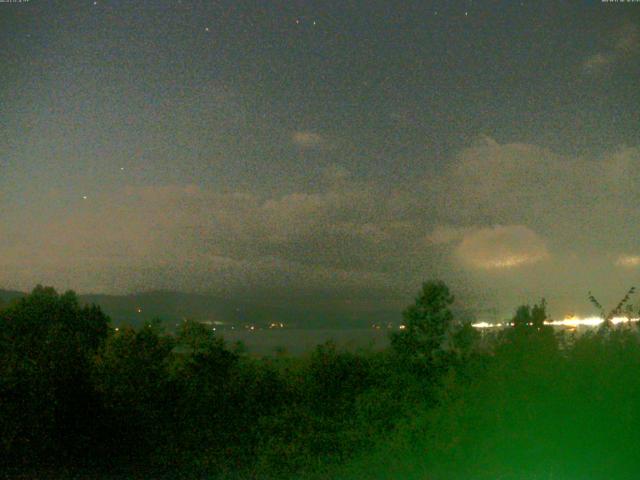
(529, 319)
(615, 311)
(209, 393)
(464, 339)
(47, 404)
(529, 344)
(426, 322)
(335, 377)
(131, 375)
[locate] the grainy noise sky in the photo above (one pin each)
(325, 150)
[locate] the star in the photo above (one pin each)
(206, 29)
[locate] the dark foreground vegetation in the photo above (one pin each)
(80, 399)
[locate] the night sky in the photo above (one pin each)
(336, 151)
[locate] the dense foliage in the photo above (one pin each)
(80, 397)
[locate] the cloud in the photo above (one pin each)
(446, 234)
(336, 175)
(598, 62)
(623, 44)
(628, 261)
(202, 237)
(628, 39)
(491, 208)
(306, 139)
(502, 247)
(522, 184)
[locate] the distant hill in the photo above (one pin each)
(173, 307)
(7, 296)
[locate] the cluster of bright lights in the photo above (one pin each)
(572, 321)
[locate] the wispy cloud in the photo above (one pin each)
(478, 216)
(502, 247)
(628, 261)
(306, 139)
(623, 44)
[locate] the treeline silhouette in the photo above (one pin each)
(79, 399)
